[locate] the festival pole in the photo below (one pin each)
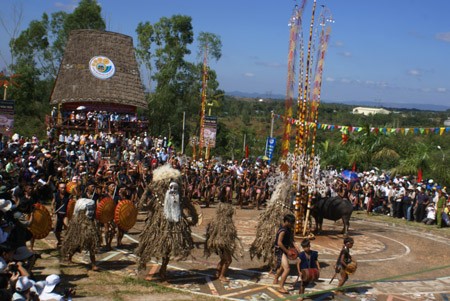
(314, 112)
(182, 133)
(303, 136)
(203, 105)
(293, 39)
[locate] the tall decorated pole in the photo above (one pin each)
(209, 46)
(203, 105)
(293, 43)
(306, 164)
(314, 111)
(302, 129)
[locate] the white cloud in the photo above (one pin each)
(414, 72)
(338, 44)
(441, 90)
(249, 74)
(443, 36)
(330, 79)
(346, 80)
(345, 53)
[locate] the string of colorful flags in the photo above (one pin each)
(383, 130)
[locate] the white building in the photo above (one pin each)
(447, 122)
(369, 111)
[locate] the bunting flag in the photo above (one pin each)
(387, 131)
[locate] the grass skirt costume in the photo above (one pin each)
(160, 237)
(221, 233)
(270, 220)
(82, 234)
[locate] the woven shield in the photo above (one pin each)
(41, 224)
(70, 208)
(351, 267)
(125, 215)
(70, 187)
(105, 210)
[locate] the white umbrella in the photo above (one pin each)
(81, 108)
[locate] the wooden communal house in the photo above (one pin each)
(98, 75)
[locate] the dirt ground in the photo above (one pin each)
(389, 252)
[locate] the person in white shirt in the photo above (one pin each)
(51, 282)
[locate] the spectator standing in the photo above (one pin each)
(421, 203)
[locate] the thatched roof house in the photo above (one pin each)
(99, 71)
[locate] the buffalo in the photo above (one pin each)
(332, 208)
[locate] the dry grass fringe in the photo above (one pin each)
(221, 233)
(269, 222)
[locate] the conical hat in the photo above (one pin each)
(125, 215)
(41, 225)
(105, 210)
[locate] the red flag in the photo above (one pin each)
(247, 152)
(354, 166)
(419, 175)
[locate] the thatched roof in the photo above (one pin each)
(76, 80)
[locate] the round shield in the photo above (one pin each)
(125, 215)
(41, 225)
(70, 187)
(70, 208)
(351, 267)
(105, 210)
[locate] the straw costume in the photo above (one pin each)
(167, 231)
(222, 239)
(269, 221)
(83, 232)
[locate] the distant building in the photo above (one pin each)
(447, 122)
(370, 111)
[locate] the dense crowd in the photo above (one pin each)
(94, 166)
(401, 197)
(74, 166)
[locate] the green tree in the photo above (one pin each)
(145, 38)
(38, 52)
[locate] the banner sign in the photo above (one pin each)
(6, 116)
(271, 141)
(210, 131)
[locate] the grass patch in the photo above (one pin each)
(157, 288)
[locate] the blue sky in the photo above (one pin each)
(385, 51)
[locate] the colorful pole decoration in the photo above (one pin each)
(314, 111)
(203, 106)
(293, 43)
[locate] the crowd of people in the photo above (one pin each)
(401, 197)
(72, 166)
(99, 120)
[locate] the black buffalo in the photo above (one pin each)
(332, 208)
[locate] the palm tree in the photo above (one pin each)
(417, 158)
